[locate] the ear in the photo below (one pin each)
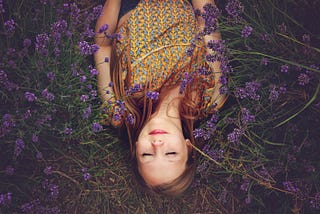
(189, 145)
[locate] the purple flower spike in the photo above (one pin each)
(264, 61)
(153, 95)
(234, 137)
(30, 96)
(47, 95)
(96, 127)
(10, 26)
(284, 68)
(48, 170)
(234, 9)
(103, 28)
(246, 116)
(246, 31)
(19, 146)
(303, 79)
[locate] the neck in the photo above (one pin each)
(169, 105)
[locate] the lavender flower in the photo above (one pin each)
(5, 199)
(54, 190)
(234, 10)
(250, 91)
(19, 146)
(187, 79)
(57, 29)
(248, 199)
(59, 26)
(94, 72)
(96, 127)
(68, 131)
(223, 89)
(106, 59)
(96, 11)
(93, 93)
(274, 93)
(135, 88)
(303, 79)
(94, 48)
(190, 50)
(86, 174)
(47, 95)
(306, 38)
(30, 96)
(204, 71)
(48, 170)
(10, 26)
(75, 14)
(84, 98)
(284, 68)
(117, 36)
(51, 76)
(264, 37)
(83, 78)
(39, 155)
(27, 114)
(264, 61)
(315, 202)
(42, 41)
(288, 185)
(217, 46)
(2, 10)
(234, 137)
(210, 16)
(201, 133)
(10, 170)
(246, 117)
(246, 31)
(216, 154)
(35, 138)
(282, 28)
(116, 117)
(85, 48)
(130, 119)
(103, 28)
(153, 95)
(8, 122)
(223, 80)
(3, 76)
(87, 112)
(224, 66)
(27, 43)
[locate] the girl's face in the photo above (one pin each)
(161, 151)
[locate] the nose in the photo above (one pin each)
(157, 143)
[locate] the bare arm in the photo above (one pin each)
(109, 16)
(216, 97)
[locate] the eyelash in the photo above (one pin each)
(171, 153)
(168, 153)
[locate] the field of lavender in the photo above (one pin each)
(261, 150)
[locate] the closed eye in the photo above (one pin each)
(146, 154)
(171, 153)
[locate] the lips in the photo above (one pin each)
(157, 131)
